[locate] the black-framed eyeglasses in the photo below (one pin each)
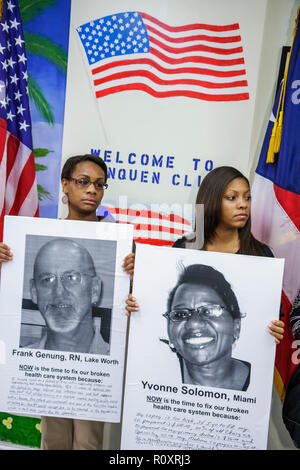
(86, 182)
(68, 279)
(183, 314)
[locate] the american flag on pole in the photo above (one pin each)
(276, 204)
(18, 189)
(135, 51)
(152, 227)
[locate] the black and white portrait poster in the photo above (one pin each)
(200, 357)
(62, 318)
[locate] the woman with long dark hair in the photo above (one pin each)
(225, 193)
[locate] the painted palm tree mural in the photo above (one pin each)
(39, 45)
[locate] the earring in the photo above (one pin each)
(65, 199)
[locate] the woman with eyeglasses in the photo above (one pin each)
(83, 179)
(225, 194)
(204, 322)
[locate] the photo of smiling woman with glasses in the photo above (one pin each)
(204, 322)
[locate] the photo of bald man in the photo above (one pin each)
(65, 287)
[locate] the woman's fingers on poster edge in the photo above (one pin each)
(128, 264)
(5, 253)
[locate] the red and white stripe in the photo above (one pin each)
(18, 189)
(197, 60)
(152, 227)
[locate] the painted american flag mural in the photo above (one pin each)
(18, 189)
(135, 51)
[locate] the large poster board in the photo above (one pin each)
(200, 380)
(62, 318)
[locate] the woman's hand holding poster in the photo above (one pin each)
(200, 358)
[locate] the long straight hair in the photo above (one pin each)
(211, 194)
